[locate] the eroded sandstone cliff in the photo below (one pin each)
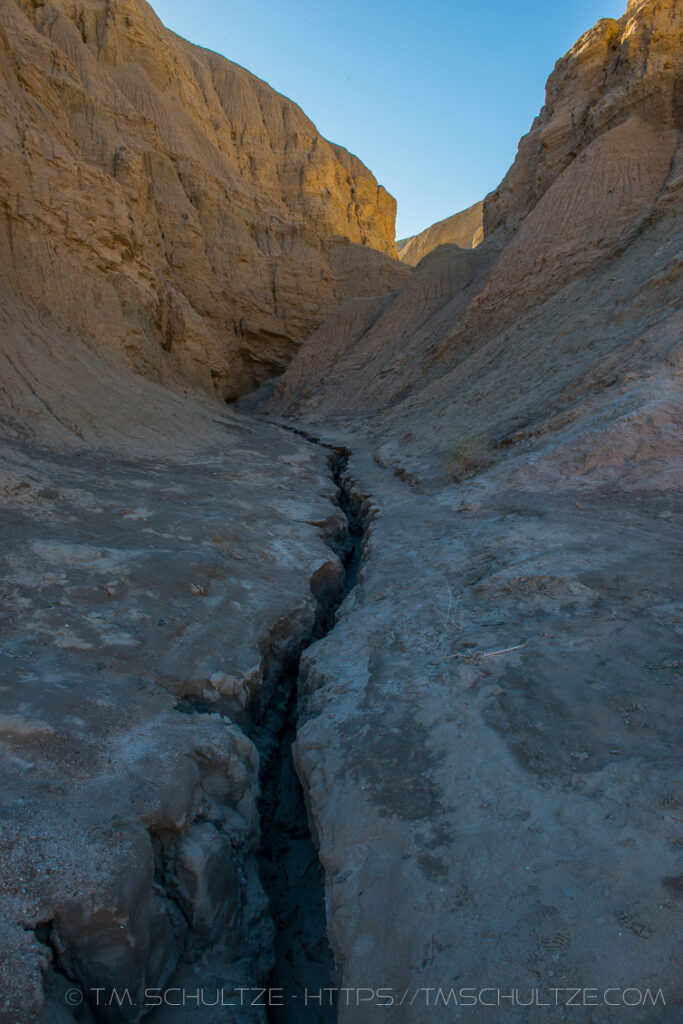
(485, 728)
(464, 229)
(619, 69)
(488, 733)
(584, 230)
(163, 203)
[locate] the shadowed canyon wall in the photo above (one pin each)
(486, 731)
(456, 589)
(165, 204)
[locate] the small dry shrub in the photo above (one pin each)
(469, 456)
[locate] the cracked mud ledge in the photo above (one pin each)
(202, 903)
(290, 868)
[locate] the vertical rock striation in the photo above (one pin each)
(488, 738)
(591, 201)
(164, 203)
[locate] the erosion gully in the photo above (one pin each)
(290, 870)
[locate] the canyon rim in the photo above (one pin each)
(340, 620)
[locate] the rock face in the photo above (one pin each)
(208, 225)
(490, 752)
(616, 71)
(162, 212)
(593, 196)
(465, 229)
(147, 601)
(485, 727)
(486, 735)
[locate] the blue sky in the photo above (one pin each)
(433, 96)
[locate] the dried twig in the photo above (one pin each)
(505, 650)
(475, 655)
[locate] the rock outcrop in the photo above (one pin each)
(484, 726)
(616, 71)
(464, 229)
(148, 602)
(487, 735)
(170, 229)
(593, 197)
(163, 203)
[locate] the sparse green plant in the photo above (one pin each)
(468, 456)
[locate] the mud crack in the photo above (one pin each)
(290, 870)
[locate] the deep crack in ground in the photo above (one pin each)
(289, 866)
(290, 869)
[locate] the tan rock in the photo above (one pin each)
(208, 225)
(485, 734)
(487, 741)
(464, 229)
(371, 351)
(616, 69)
(594, 196)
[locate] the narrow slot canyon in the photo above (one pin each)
(340, 512)
(290, 871)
